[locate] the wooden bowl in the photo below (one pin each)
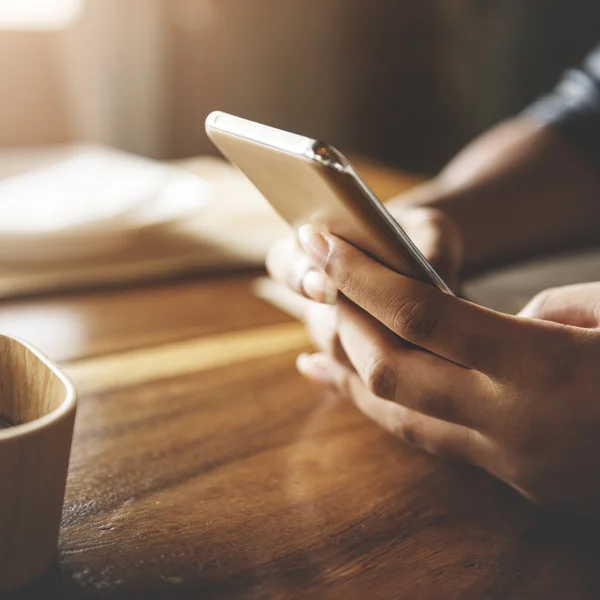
(37, 412)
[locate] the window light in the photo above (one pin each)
(38, 14)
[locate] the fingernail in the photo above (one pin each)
(314, 243)
(315, 367)
(314, 285)
(319, 287)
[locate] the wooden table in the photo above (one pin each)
(203, 466)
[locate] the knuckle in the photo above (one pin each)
(381, 377)
(408, 430)
(414, 319)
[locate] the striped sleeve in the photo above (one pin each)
(574, 107)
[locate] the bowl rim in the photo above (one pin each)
(67, 406)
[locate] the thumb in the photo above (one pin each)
(436, 236)
(576, 305)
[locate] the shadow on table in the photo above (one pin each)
(48, 586)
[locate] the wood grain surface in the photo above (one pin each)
(204, 466)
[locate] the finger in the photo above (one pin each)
(409, 376)
(435, 235)
(436, 437)
(287, 264)
(321, 323)
(324, 370)
(280, 296)
(455, 329)
(429, 434)
(576, 305)
(320, 319)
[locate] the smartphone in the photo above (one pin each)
(309, 182)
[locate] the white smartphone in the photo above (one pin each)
(309, 182)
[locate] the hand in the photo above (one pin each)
(577, 305)
(431, 230)
(517, 396)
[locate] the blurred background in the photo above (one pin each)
(401, 81)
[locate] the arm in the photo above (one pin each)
(532, 184)
(518, 190)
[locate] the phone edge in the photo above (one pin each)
(327, 157)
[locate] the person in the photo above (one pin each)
(518, 396)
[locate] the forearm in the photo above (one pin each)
(518, 190)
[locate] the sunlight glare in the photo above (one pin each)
(38, 14)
